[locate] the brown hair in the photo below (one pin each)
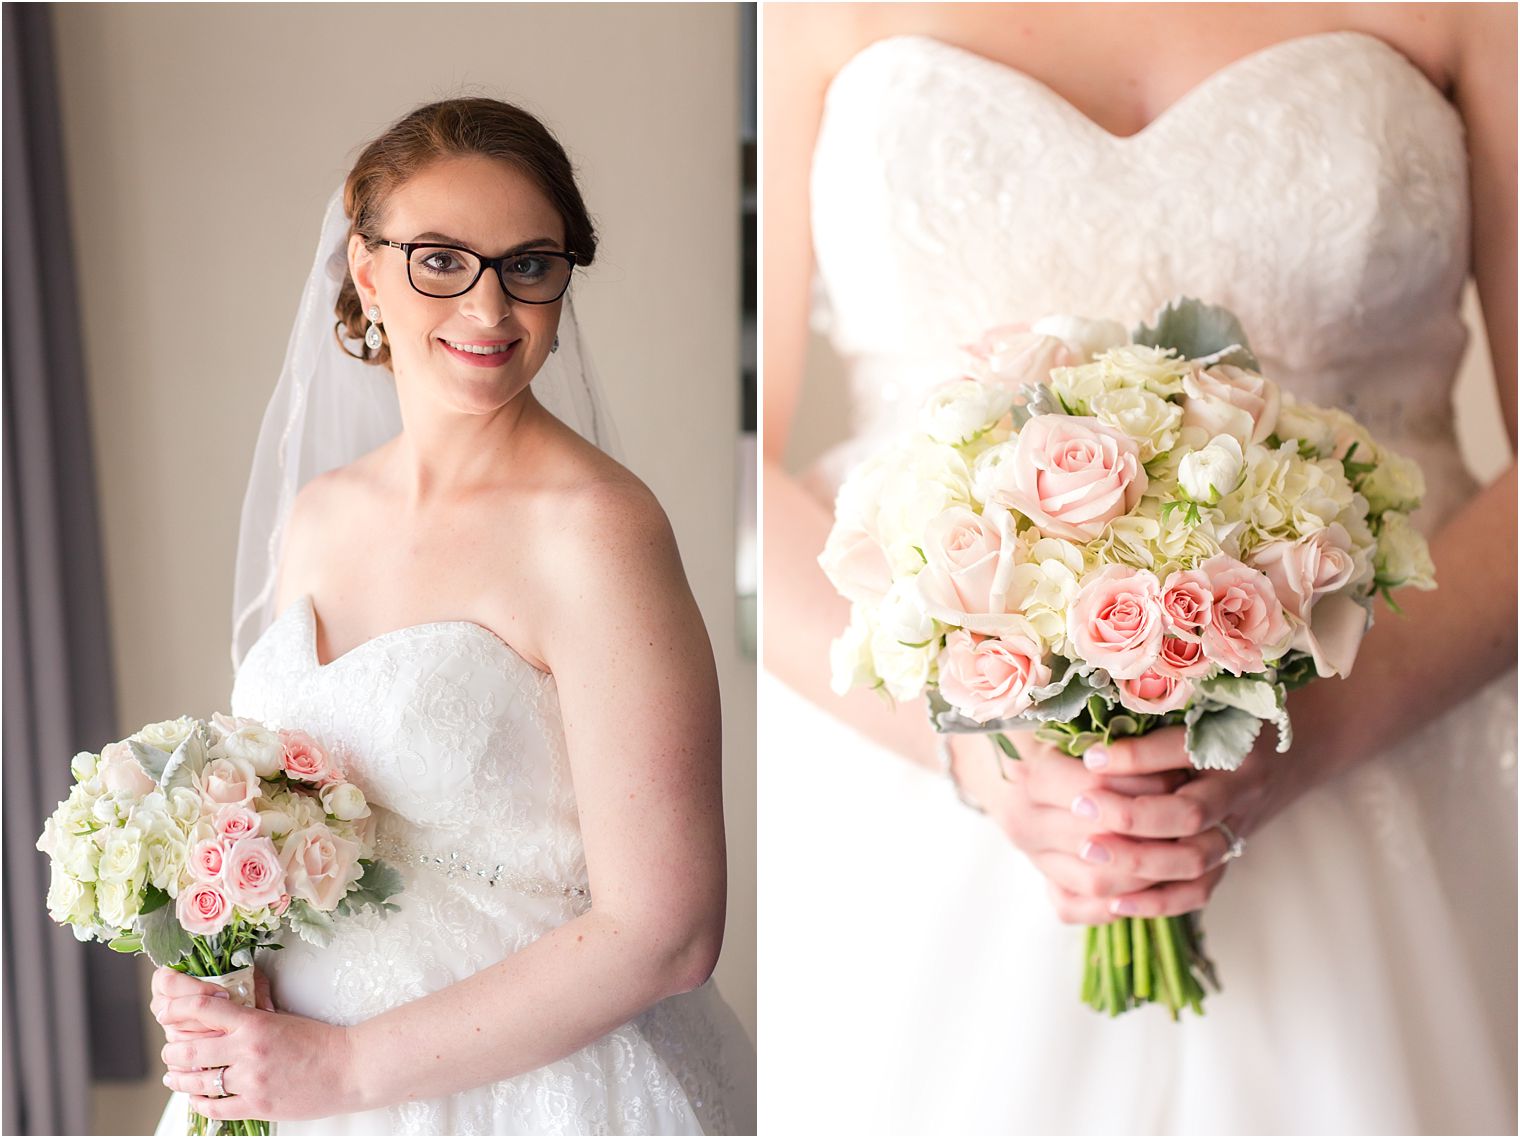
(453, 128)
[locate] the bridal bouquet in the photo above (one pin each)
(198, 842)
(1098, 534)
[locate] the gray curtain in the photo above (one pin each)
(72, 1011)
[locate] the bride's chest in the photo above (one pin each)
(440, 724)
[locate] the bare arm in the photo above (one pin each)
(802, 611)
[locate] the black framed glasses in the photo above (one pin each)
(532, 276)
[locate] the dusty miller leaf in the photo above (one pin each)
(1198, 331)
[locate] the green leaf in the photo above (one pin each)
(379, 882)
(162, 936)
(128, 942)
(1220, 739)
(1203, 332)
(1005, 745)
(153, 898)
(1257, 697)
(310, 924)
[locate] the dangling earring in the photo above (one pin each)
(372, 334)
(554, 347)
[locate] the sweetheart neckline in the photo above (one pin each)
(310, 638)
(1216, 78)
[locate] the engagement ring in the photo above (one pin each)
(1237, 844)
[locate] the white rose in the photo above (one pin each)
(1314, 426)
(1230, 400)
(959, 411)
(249, 740)
(1396, 483)
(111, 809)
(1158, 370)
(1403, 556)
(69, 901)
(1077, 387)
(185, 807)
(78, 854)
(119, 901)
(344, 800)
(164, 860)
(927, 480)
(1088, 338)
(168, 735)
(1209, 474)
(121, 857)
(850, 654)
(1142, 415)
(904, 642)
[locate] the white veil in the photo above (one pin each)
(329, 408)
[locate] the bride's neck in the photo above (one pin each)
(444, 456)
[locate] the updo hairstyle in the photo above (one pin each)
(452, 128)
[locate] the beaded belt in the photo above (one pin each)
(453, 865)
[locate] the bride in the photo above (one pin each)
(484, 618)
(1331, 174)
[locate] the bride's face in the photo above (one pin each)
(493, 209)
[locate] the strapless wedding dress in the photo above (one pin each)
(456, 741)
(1366, 941)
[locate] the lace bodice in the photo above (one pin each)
(454, 738)
(458, 745)
(1318, 188)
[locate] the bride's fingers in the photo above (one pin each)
(1171, 899)
(1152, 753)
(1060, 780)
(1147, 815)
(1075, 909)
(1179, 859)
(1079, 877)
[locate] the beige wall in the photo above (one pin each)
(202, 142)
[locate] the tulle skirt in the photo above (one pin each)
(922, 983)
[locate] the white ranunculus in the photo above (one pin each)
(1078, 386)
(249, 740)
(1396, 483)
(1314, 426)
(344, 800)
(1209, 474)
(1403, 556)
(84, 765)
(991, 471)
(1179, 544)
(1088, 338)
(69, 901)
(850, 654)
(111, 809)
(904, 642)
(1142, 415)
(167, 735)
(961, 410)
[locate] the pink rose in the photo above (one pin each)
(280, 905)
(1183, 659)
(227, 782)
(203, 909)
(1186, 598)
(991, 677)
(1228, 400)
(1309, 576)
(1247, 621)
(252, 874)
(1072, 475)
(318, 866)
(121, 774)
(1155, 693)
(308, 760)
(1116, 621)
(855, 563)
(234, 822)
(1012, 356)
(206, 860)
(965, 581)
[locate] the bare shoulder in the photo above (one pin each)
(313, 513)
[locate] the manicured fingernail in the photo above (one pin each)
(166, 1080)
(1084, 807)
(1096, 758)
(1092, 851)
(1123, 908)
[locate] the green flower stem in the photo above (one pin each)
(1090, 967)
(1140, 939)
(1171, 968)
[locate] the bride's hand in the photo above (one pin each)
(1131, 830)
(279, 1066)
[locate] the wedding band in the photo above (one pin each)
(221, 1091)
(1237, 844)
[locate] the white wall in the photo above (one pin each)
(202, 141)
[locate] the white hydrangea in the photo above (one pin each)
(1045, 582)
(1396, 483)
(1403, 555)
